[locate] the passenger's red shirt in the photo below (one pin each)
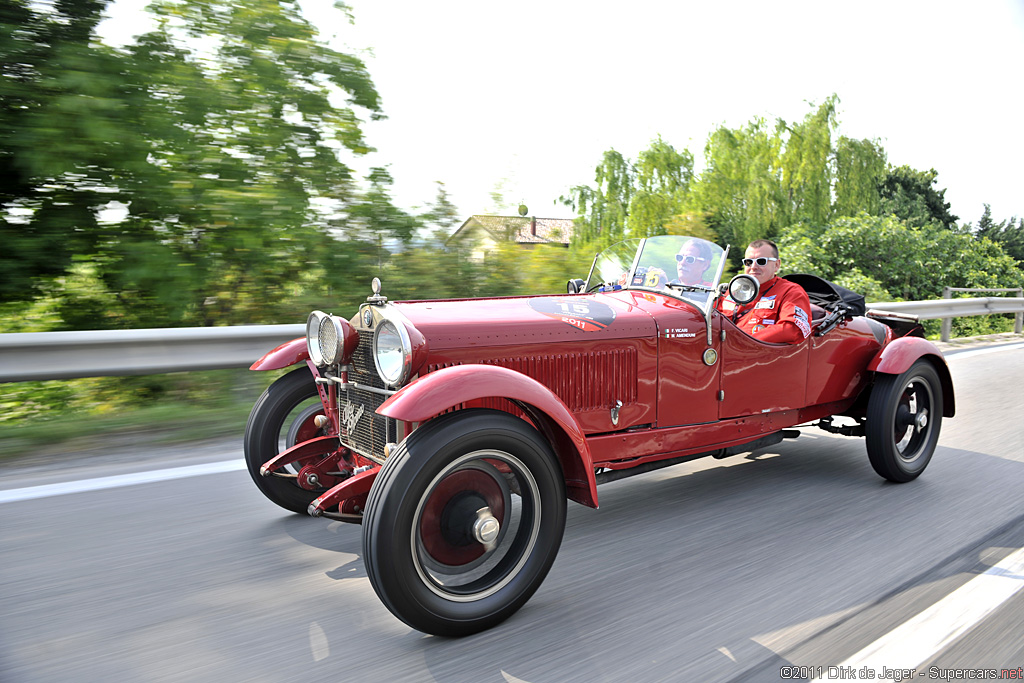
(781, 313)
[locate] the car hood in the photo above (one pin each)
(524, 320)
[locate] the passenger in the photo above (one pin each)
(693, 259)
(781, 313)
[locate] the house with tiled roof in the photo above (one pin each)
(480, 234)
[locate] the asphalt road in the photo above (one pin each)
(708, 571)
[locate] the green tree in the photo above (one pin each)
(740, 191)
(245, 143)
(860, 170)
(602, 211)
(662, 175)
(224, 131)
(443, 215)
(376, 214)
(61, 102)
(806, 164)
(912, 196)
(760, 180)
(1008, 234)
(906, 262)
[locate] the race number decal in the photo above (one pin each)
(588, 316)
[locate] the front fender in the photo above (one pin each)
(439, 391)
(898, 355)
(284, 355)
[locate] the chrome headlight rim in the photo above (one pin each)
(313, 323)
(331, 327)
(405, 370)
(320, 327)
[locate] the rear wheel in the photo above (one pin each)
(463, 522)
(282, 417)
(903, 420)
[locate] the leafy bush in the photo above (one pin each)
(882, 255)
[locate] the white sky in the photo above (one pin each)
(530, 93)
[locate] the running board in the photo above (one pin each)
(763, 442)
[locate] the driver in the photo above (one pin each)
(781, 311)
(692, 261)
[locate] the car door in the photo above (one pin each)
(688, 380)
(759, 377)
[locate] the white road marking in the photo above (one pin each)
(48, 490)
(978, 352)
(927, 634)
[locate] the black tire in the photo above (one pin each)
(281, 416)
(427, 530)
(903, 421)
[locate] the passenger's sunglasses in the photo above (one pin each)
(688, 259)
(760, 260)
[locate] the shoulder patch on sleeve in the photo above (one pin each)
(800, 318)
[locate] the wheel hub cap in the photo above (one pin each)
(486, 527)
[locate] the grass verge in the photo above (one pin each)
(78, 416)
(161, 424)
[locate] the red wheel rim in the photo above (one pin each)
(463, 484)
(308, 429)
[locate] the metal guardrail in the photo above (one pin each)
(947, 293)
(947, 309)
(64, 355)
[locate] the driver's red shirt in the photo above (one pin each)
(781, 313)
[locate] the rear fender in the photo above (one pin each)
(898, 355)
(439, 391)
(283, 356)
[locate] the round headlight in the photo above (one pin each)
(325, 338)
(743, 289)
(332, 339)
(313, 337)
(392, 353)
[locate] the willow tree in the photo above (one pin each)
(663, 176)
(739, 190)
(860, 171)
(806, 165)
(602, 210)
(762, 179)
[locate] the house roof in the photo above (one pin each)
(524, 229)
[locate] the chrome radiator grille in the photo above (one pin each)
(363, 370)
(362, 429)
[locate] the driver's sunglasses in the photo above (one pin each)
(688, 259)
(760, 260)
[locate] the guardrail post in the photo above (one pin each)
(947, 323)
(1019, 318)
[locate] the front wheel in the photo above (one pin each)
(282, 417)
(463, 522)
(903, 420)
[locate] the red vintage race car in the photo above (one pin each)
(454, 431)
